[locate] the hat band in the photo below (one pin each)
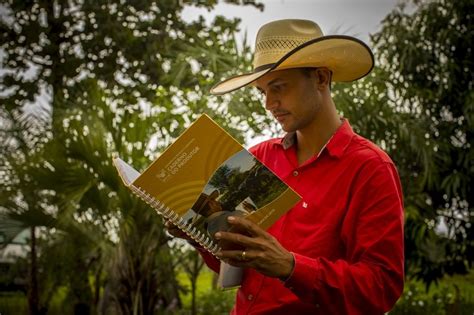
(264, 67)
(280, 43)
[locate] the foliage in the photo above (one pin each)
(139, 52)
(216, 302)
(129, 91)
(430, 75)
(259, 180)
(418, 105)
(191, 264)
(209, 300)
(451, 296)
(13, 303)
(128, 77)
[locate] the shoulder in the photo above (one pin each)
(376, 168)
(366, 151)
(369, 163)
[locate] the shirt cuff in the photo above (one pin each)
(303, 278)
(292, 269)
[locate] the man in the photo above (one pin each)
(340, 250)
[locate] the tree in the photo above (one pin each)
(191, 263)
(20, 197)
(133, 49)
(139, 59)
(418, 105)
(432, 72)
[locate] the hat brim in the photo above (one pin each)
(347, 57)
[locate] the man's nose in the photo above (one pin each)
(271, 102)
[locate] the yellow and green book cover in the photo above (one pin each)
(205, 176)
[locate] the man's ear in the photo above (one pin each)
(323, 77)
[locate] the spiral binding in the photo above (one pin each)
(201, 238)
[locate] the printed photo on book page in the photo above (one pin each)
(239, 187)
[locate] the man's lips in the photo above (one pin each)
(280, 116)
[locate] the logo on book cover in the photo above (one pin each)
(162, 175)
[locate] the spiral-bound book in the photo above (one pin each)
(203, 177)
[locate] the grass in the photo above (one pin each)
(13, 303)
(453, 295)
(204, 285)
(206, 294)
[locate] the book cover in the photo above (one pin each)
(205, 176)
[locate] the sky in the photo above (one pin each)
(357, 18)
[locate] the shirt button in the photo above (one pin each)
(250, 297)
(295, 173)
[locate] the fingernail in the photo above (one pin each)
(218, 235)
(231, 219)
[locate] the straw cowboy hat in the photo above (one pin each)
(286, 44)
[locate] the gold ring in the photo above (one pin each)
(243, 256)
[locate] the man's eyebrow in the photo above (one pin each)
(274, 81)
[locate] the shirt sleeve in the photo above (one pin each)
(370, 277)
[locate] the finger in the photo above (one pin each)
(235, 255)
(173, 230)
(235, 238)
(235, 258)
(242, 224)
(176, 233)
(169, 225)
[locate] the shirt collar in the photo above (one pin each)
(341, 139)
(337, 144)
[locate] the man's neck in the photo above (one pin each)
(311, 140)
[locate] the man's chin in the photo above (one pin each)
(287, 128)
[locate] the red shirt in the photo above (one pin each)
(346, 233)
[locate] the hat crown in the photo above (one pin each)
(288, 44)
(277, 38)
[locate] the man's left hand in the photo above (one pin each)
(261, 251)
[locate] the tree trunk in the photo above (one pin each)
(33, 301)
(193, 278)
(193, 295)
(97, 286)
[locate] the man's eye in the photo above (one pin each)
(277, 87)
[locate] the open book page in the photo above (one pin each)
(126, 172)
(229, 276)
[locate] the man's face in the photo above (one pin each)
(291, 96)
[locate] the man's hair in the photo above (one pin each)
(307, 73)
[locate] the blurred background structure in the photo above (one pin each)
(83, 80)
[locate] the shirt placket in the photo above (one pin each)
(252, 296)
